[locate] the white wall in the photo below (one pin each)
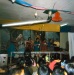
(63, 39)
(0, 39)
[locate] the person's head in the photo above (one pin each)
(69, 68)
(43, 70)
(29, 38)
(42, 60)
(58, 71)
(37, 39)
(27, 53)
(72, 58)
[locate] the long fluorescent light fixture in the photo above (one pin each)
(24, 23)
(64, 24)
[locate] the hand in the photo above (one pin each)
(58, 60)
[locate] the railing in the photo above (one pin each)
(47, 52)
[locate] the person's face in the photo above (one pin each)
(37, 39)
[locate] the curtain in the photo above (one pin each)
(71, 43)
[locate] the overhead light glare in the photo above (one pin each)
(24, 23)
(64, 24)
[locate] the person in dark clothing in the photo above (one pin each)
(43, 70)
(58, 71)
(37, 45)
(11, 48)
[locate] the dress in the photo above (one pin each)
(36, 46)
(29, 45)
(11, 48)
(21, 47)
(43, 46)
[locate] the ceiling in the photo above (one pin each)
(9, 11)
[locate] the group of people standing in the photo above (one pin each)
(31, 45)
(30, 66)
(20, 44)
